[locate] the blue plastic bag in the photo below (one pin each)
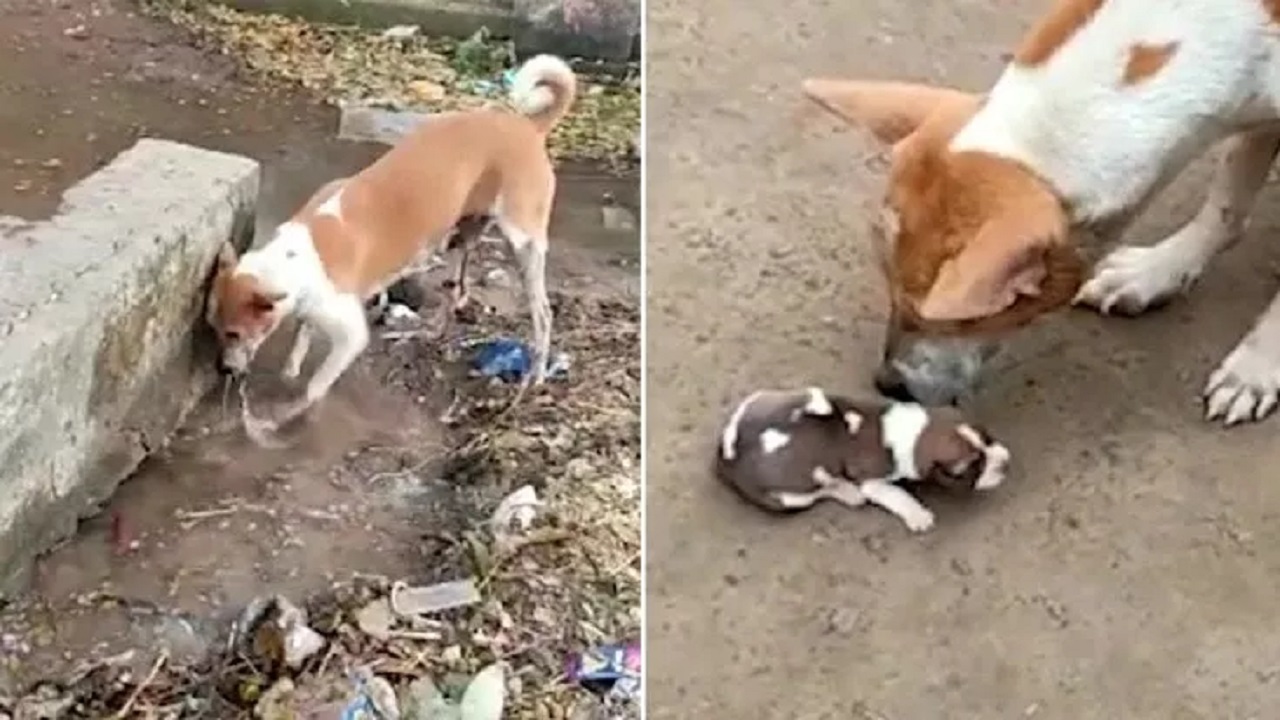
(510, 360)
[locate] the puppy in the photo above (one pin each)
(358, 235)
(786, 450)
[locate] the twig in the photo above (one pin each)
(137, 691)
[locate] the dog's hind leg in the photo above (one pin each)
(524, 219)
(531, 253)
(1134, 279)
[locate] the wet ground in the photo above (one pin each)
(1130, 567)
(213, 521)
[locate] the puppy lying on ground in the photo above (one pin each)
(786, 450)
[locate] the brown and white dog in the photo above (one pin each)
(786, 450)
(357, 235)
(1102, 104)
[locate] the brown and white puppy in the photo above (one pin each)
(786, 450)
(358, 235)
(1103, 103)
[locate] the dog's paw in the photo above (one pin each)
(290, 372)
(1132, 280)
(919, 520)
(1245, 387)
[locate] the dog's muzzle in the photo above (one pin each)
(933, 371)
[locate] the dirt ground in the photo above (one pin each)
(213, 522)
(1130, 567)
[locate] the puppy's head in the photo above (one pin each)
(241, 311)
(959, 455)
(972, 245)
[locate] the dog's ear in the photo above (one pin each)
(264, 301)
(1005, 260)
(226, 257)
(890, 110)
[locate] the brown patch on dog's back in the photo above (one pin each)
(1273, 9)
(1146, 60)
(1055, 29)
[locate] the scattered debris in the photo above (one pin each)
(485, 694)
(277, 702)
(571, 581)
(376, 619)
(400, 32)
(375, 699)
(612, 670)
(280, 633)
(401, 69)
(418, 601)
(510, 360)
(519, 509)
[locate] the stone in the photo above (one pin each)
(105, 349)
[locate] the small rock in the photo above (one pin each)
(282, 635)
(427, 91)
(421, 700)
(485, 695)
(842, 621)
(277, 702)
(375, 619)
(400, 32)
(79, 32)
(617, 218)
(51, 164)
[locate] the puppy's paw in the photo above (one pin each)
(1245, 387)
(1132, 280)
(290, 372)
(919, 520)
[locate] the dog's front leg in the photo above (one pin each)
(1246, 386)
(1133, 279)
(342, 320)
(889, 496)
(301, 346)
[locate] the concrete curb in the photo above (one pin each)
(454, 19)
(100, 332)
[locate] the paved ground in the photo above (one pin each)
(1130, 569)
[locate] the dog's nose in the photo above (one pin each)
(890, 384)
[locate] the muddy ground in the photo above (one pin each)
(1130, 567)
(213, 522)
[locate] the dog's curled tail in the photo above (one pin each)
(543, 89)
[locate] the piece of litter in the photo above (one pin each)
(400, 32)
(413, 601)
(281, 634)
(375, 699)
(375, 619)
(485, 695)
(608, 669)
(400, 316)
(518, 508)
(510, 360)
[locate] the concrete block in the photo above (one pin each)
(102, 345)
